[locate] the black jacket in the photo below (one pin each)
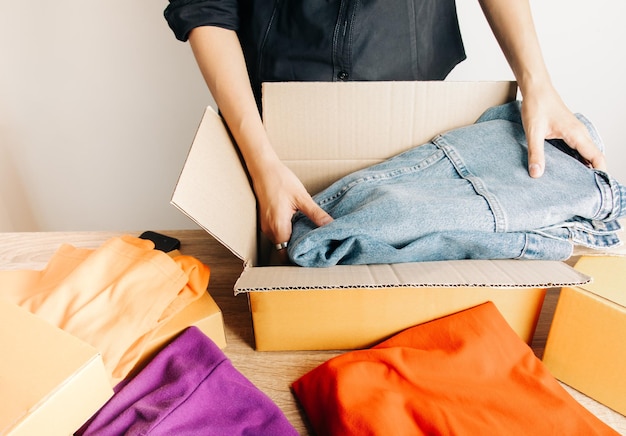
(329, 40)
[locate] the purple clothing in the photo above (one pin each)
(189, 388)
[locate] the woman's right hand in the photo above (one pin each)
(280, 195)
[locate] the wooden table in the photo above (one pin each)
(272, 372)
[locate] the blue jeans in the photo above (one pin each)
(465, 194)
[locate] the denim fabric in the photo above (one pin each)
(465, 194)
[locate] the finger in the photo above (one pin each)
(280, 238)
(598, 161)
(314, 212)
(580, 140)
(276, 225)
(280, 228)
(536, 158)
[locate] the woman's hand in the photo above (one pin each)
(545, 116)
(280, 195)
(278, 191)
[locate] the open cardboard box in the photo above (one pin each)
(324, 131)
(50, 381)
(586, 348)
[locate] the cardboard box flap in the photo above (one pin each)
(470, 273)
(606, 283)
(39, 363)
(214, 191)
(325, 130)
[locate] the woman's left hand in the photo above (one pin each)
(545, 116)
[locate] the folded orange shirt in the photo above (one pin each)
(114, 297)
(464, 374)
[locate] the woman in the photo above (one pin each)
(239, 44)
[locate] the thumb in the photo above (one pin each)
(315, 213)
(536, 158)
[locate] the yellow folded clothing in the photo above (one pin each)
(113, 297)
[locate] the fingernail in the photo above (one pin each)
(535, 170)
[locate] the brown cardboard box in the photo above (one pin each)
(50, 381)
(324, 131)
(586, 347)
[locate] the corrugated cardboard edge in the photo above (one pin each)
(456, 273)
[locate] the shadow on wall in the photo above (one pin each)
(15, 211)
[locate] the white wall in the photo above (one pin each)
(99, 103)
(98, 106)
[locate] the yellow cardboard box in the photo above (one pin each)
(324, 131)
(586, 346)
(50, 381)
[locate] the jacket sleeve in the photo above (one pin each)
(184, 15)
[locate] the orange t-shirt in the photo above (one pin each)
(464, 374)
(114, 297)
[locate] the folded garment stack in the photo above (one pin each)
(114, 297)
(189, 388)
(465, 194)
(467, 373)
